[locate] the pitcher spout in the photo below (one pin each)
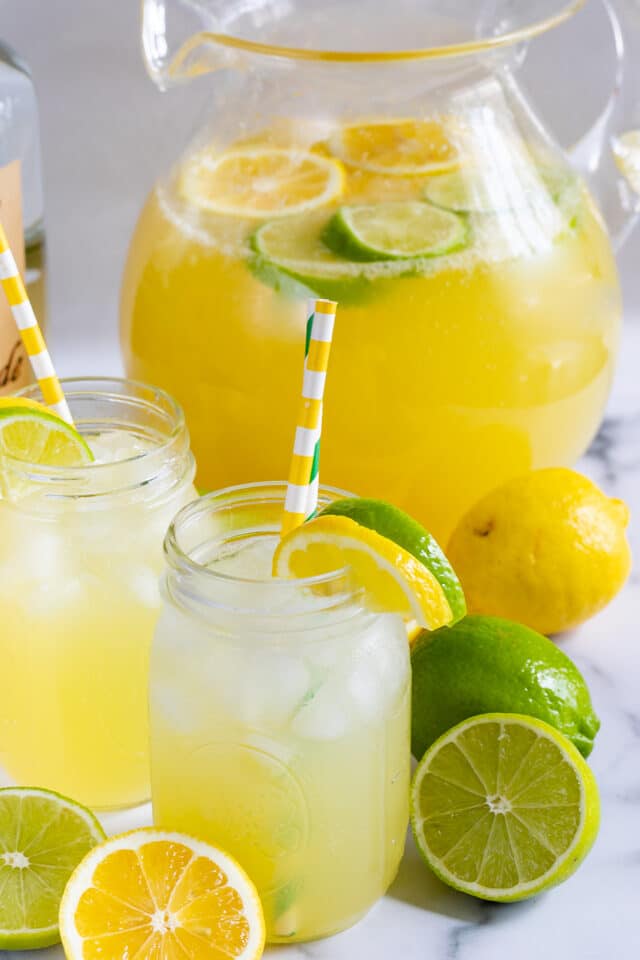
(179, 39)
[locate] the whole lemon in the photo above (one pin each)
(547, 549)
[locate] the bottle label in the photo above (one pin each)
(14, 365)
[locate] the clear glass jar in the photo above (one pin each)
(279, 717)
(80, 558)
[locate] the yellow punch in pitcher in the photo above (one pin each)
(385, 158)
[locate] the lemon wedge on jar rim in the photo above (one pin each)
(397, 562)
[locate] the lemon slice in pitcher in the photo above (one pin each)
(259, 182)
(395, 231)
(397, 562)
(397, 147)
(30, 431)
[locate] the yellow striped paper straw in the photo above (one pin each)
(302, 489)
(30, 332)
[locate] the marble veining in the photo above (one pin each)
(594, 915)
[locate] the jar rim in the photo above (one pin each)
(264, 606)
(180, 560)
(158, 399)
(106, 405)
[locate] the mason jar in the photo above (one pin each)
(279, 716)
(80, 559)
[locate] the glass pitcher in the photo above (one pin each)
(382, 155)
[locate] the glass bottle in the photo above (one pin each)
(21, 205)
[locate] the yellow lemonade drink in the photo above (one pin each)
(279, 719)
(479, 307)
(80, 558)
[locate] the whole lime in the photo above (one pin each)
(490, 665)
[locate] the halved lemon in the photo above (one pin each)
(153, 894)
(395, 579)
(259, 182)
(30, 431)
(398, 147)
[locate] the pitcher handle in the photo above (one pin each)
(609, 152)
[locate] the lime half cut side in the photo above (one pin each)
(30, 432)
(504, 807)
(43, 837)
(398, 230)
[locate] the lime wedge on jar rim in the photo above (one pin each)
(396, 561)
(397, 230)
(43, 837)
(29, 431)
(504, 807)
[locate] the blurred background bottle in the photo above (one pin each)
(21, 205)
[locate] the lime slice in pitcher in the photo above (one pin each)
(395, 231)
(472, 191)
(43, 837)
(466, 191)
(290, 256)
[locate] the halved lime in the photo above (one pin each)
(400, 528)
(398, 230)
(503, 807)
(30, 432)
(43, 837)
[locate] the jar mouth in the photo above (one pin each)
(134, 394)
(481, 33)
(237, 515)
(179, 556)
(152, 422)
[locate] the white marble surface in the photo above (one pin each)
(106, 134)
(593, 915)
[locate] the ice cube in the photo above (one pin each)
(143, 583)
(269, 686)
(366, 688)
(54, 597)
(325, 716)
(172, 707)
(41, 554)
(114, 446)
